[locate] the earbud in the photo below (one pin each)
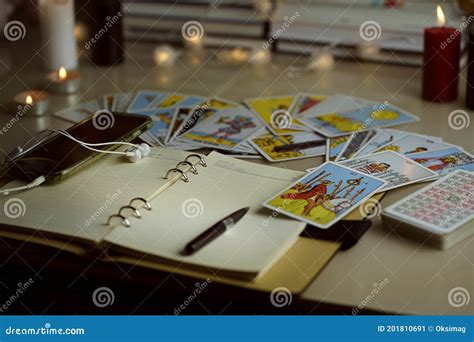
(134, 154)
(144, 149)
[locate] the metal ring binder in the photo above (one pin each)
(183, 174)
(147, 205)
(125, 221)
(193, 168)
(201, 159)
(136, 213)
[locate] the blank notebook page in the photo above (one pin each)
(187, 209)
(78, 207)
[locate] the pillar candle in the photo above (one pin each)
(441, 62)
(57, 32)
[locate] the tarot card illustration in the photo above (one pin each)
(267, 143)
(340, 123)
(445, 161)
(306, 102)
(413, 143)
(225, 129)
(335, 146)
(392, 167)
(325, 195)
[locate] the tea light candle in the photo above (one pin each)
(32, 102)
(164, 55)
(63, 81)
(259, 55)
(441, 61)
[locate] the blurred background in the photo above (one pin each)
(331, 25)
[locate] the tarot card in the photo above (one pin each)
(325, 195)
(274, 112)
(109, 102)
(143, 99)
(445, 160)
(336, 123)
(413, 143)
(305, 102)
(356, 141)
(335, 146)
(122, 101)
(217, 103)
(178, 118)
(225, 129)
(439, 207)
(339, 103)
(161, 120)
(392, 167)
(383, 137)
(306, 145)
(194, 117)
(191, 101)
(79, 112)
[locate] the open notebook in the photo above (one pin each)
(72, 214)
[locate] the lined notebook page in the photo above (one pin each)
(187, 209)
(78, 207)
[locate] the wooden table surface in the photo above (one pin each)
(418, 278)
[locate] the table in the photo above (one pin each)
(417, 278)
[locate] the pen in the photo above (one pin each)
(299, 146)
(214, 231)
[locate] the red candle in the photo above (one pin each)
(441, 62)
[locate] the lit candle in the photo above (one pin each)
(64, 81)
(441, 61)
(195, 42)
(32, 102)
(260, 55)
(164, 55)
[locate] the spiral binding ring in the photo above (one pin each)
(201, 159)
(125, 221)
(136, 213)
(146, 205)
(183, 174)
(193, 168)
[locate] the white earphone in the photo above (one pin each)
(135, 153)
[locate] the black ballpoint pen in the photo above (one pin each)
(214, 231)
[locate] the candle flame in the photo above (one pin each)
(62, 73)
(441, 17)
(29, 100)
